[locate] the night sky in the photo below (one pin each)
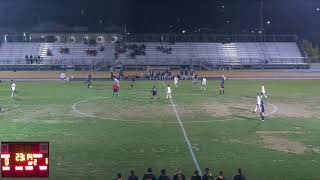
(141, 16)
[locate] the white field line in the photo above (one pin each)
(75, 109)
(185, 135)
(275, 109)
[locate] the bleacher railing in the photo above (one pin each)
(165, 37)
(165, 62)
(208, 38)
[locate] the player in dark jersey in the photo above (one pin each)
(132, 81)
(89, 81)
(154, 92)
(222, 85)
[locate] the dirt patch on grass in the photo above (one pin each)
(50, 114)
(246, 108)
(126, 112)
(282, 144)
(296, 110)
(273, 140)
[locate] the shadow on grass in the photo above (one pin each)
(241, 109)
(245, 117)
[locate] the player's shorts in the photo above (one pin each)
(261, 108)
(222, 86)
(154, 93)
(13, 89)
(115, 90)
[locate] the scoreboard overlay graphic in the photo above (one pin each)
(24, 159)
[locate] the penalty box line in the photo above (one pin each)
(194, 158)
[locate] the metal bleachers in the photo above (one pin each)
(182, 53)
(14, 53)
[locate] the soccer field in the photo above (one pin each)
(95, 136)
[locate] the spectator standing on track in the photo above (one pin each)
(132, 176)
(179, 175)
(149, 175)
(239, 176)
(196, 176)
(163, 175)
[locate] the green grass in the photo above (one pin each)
(98, 147)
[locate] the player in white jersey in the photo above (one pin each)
(176, 79)
(13, 89)
(261, 108)
(258, 102)
(204, 84)
(116, 80)
(263, 91)
(169, 92)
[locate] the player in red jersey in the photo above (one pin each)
(115, 88)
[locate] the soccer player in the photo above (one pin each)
(263, 91)
(13, 89)
(169, 92)
(204, 84)
(222, 85)
(132, 81)
(89, 81)
(176, 79)
(261, 108)
(154, 92)
(194, 79)
(116, 80)
(62, 76)
(258, 102)
(115, 88)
